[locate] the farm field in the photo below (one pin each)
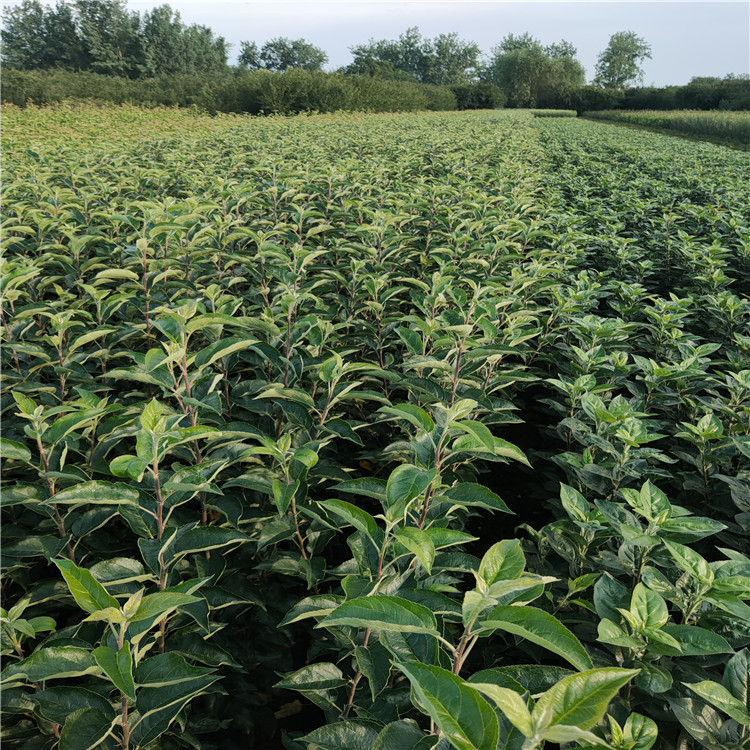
(419, 431)
(731, 127)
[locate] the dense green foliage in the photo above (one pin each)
(730, 93)
(365, 431)
(732, 127)
(619, 63)
(178, 64)
(253, 92)
(533, 75)
(103, 36)
(444, 60)
(282, 54)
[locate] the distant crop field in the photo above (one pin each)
(730, 126)
(554, 113)
(372, 431)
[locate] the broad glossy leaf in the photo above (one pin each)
(641, 731)
(383, 613)
(51, 663)
(57, 703)
(460, 712)
(510, 703)
(10, 449)
(470, 494)
(541, 628)
(360, 519)
(84, 729)
(503, 560)
(717, 695)
(419, 544)
(118, 666)
(318, 676)
(399, 735)
(355, 734)
(98, 493)
(581, 699)
(407, 482)
(89, 594)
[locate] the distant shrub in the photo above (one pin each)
(253, 92)
(478, 96)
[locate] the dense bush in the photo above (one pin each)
(238, 91)
(478, 96)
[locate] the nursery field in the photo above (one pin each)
(373, 432)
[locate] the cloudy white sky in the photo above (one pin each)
(688, 38)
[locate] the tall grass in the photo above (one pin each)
(730, 126)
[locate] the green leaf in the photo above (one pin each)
(399, 735)
(502, 561)
(375, 664)
(89, 594)
(581, 699)
(419, 544)
(97, 493)
(85, 730)
(510, 703)
(118, 666)
(541, 628)
(574, 503)
(55, 704)
(407, 482)
(204, 538)
(717, 695)
(360, 519)
(691, 562)
(641, 731)
(10, 449)
(222, 348)
(354, 734)
(695, 641)
(649, 607)
(412, 413)
(161, 603)
(167, 682)
(459, 711)
(318, 676)
(480, 431)
(736, 677)
(51, 663)
(128, 466)
(367, 486)
(384, 613)
(469, 494)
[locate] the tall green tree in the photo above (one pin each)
(163, 40)
(619, 63)
(451, 60)
(282, 54)
(24, 45)
(111, 37)
(531, 74)
(249, 56)
(444, 60)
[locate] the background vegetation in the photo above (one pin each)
(153, 58)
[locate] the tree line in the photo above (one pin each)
(104, 37)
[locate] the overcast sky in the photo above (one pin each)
(687, 38)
